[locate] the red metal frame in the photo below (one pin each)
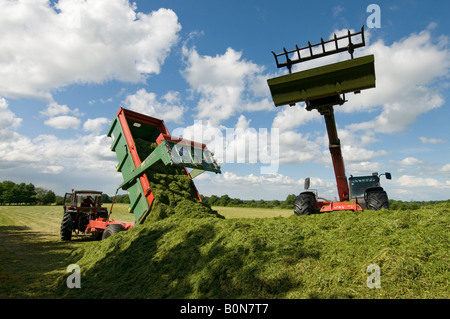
(326, 206)
(99, 225)
(179, 140)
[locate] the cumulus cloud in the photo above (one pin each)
(410, 161)
(63, 122)
(50, 46)
(406, 73)
(288, 118)
(226, 84)
(168, 108)
(426, 140)
(55, 109)
(95, 125)
(414, 181)
(7, 118)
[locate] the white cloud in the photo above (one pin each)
(7, 118)
(63, 122)
(297, 148)
(410, 161)
(426, 140)
(273, 179)
(74, 41)
(147, 103)
(226, 84)
(55, 109)
(288, 118)
(446, 169)
(414, 181)
(406, 73)
(95, 125)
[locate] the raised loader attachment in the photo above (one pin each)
(133, 133)
(322, 88)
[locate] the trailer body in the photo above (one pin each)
(125, 129)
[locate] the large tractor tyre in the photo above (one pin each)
(112, 230)
(305, 204)
(376, 200)
(66, 226)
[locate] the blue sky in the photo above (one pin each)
(66, 67)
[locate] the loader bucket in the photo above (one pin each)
(325, 83)
(131, 133)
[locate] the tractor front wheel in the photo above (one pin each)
(112, 230)
(66, 226)
(305, 204)
(377, 200)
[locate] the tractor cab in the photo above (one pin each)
(367, 191)
(360, 184)
(82, 199)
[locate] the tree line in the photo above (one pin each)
(226, 200)
(25, 194)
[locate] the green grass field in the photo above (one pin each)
(253, 253)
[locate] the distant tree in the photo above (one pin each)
(7, 195)
(289, 202)
(59, 200)
(224, 200)
(213, 200)
(44, 196)
(123, 199)
(49, 198)
(106, 198)
(29, 194)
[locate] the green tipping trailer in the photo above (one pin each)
(126, 129)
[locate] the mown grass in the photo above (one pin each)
(317, 256)
(32, 256)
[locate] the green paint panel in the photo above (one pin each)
(325, 81)
(138, 202)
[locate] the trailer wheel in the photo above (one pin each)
(305, 204)
(112, 230)
(376, 200)
(66, 226)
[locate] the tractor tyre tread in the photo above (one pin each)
(377, 200)
(112, 230)
(305, 204)
(66, 227)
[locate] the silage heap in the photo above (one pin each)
(317, 256)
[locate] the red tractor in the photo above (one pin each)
(83, 213)
(322, 88)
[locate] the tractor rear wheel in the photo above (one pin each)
(376, 200)
(66, 226)
(112, 230)
(305, 204)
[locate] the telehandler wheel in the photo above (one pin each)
(305, 204)
(376, 200)
(66, 226)
(112, 230)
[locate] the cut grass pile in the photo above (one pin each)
(318, 256)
